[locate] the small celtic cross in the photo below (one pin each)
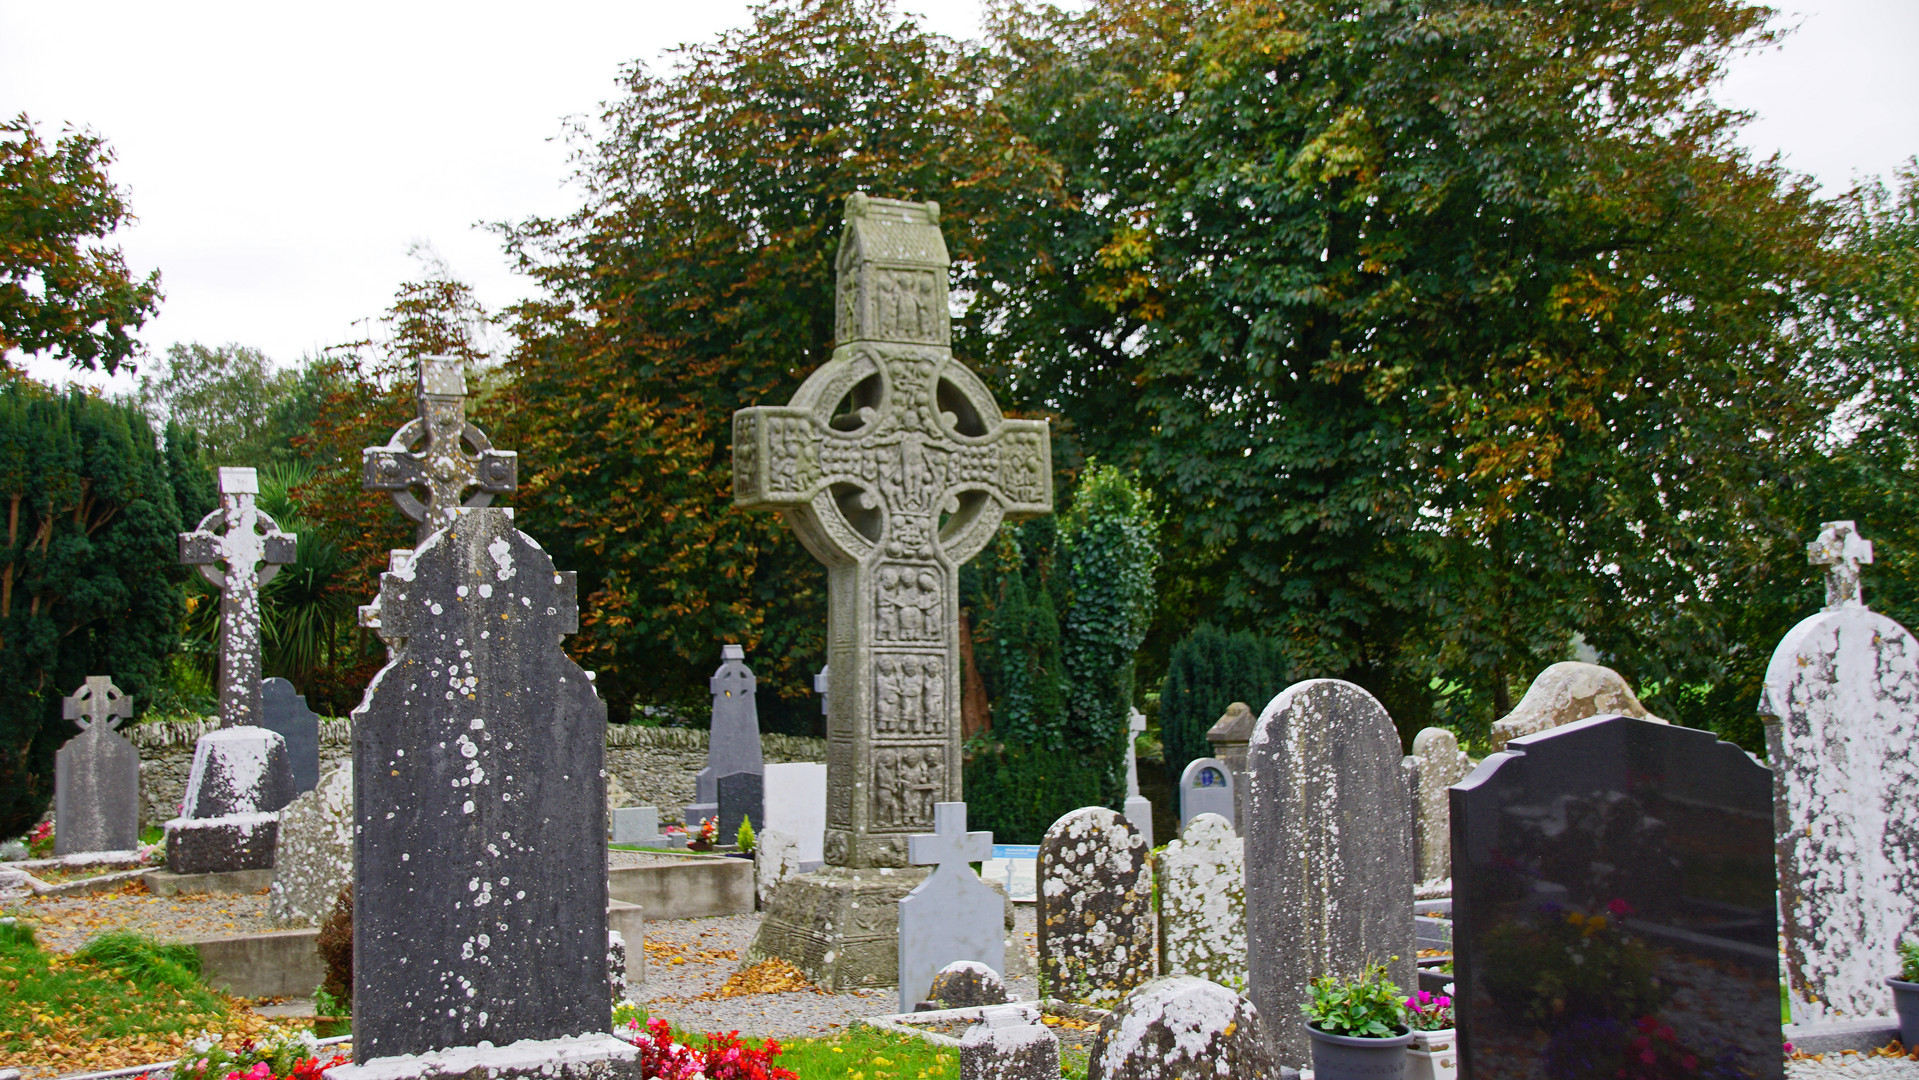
(1841, 550)
(238, 548)
(96, 700)
(440, 465)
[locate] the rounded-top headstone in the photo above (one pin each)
(1096, 921)
(1202, 887)
(1180, 1027)
(964, 984)
(1565, 693)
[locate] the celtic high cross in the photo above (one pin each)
(894, 466)
(238, 548)
(440, 465)
(1840, 549)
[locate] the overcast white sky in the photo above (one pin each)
(282, 159)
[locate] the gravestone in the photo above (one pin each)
(479, 795)
(1230, 736)
(967, 984)
(313, 855)
(1202, 916)
(732, 785)
(284, 711)
(438, 453)
(1139, 810)
(1566, 692)
(1842, 706)
(1206, 787)
(637, 825)
(1180, 1027)
(1437, 764)
(1096, 925)
(1613, 909)
(1329, 851)
(96, 775)
(1009, 1043)
(241, 776)
(894, 467)
(952, 915)
(796, 805)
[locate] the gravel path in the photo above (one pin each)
(1849, 1066)
(64, 923)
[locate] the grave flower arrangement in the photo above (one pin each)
(703, 840)
(40, 840)
(281, 1056)
(1368, 1007)
(722, 1057)
(1427, 1011)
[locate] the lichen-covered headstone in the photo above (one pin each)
(1329, 851)
(1206, 787)
(1202, 916)
(1009, 1044)
(285, 711)
(967, 984)
(732, 786)
(1178, 1028)
(1567, 692)
(1437, 764)
(96, 775)
(894, 467)
(313, 859)
(479, 795)
(1842, 707)
(438, 454)
(1096, 925)
(952, 915)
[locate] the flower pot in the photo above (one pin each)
(1348, 1057)
(1905, 999)
(1434, 1055)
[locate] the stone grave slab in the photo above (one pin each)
(1007, 1045)
(1202, 915)
(952, 915)
(313, 855)
(796, 806)
(284, 711)
(230, 819)
(1179, 1027)
(479, 796)
(1613, 901)
(1096, 925)
(1139, 809)
(637, 825)
(1566, 692)
(1841, 703)
(438, 454)
(96, 775)
(1329, 851)
(894, 466)
(1206, 787)
(1437, 764)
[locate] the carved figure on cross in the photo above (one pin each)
(238, 548)
(1841, 550)
(440, 464)
(894, 466)
(96, 700)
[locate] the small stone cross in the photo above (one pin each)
(950, 845)
(1135, 727)
(248, 543)
(1841, 550)
(894, 466)
(96, 700)
(439, 465)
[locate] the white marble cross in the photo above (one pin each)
(1841, 550)
(245, 541)
(949, 844)
(1135, 727)
(96, 700)
(440, 465)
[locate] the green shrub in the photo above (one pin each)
(1909, 961)
(1207, 671)
(1018, 791)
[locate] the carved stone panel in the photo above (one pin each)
(911, 691)
(907, 782)
(910, 605)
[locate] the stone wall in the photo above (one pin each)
(655, 765)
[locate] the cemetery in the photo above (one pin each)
(928, 701)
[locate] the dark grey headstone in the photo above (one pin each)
(1096, 924)
(1613, 900)
(480, 797)
(96, 775)
(1329, 851)
(733, 777)
(284, 711)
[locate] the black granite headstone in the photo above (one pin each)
(1613, 910)
(480, 864)
(286, 712)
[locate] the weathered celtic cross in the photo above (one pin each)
(96, 700)
(238, 548)
(440, 465)
(894, 466)
(1841, 550)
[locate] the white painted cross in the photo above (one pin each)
(949, 845)
(1135, 727)
(248, 543)
(96, 700)
(1841, 550)
(439, 465)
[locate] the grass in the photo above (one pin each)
(864, 1054)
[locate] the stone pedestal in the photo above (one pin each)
(230, 821)
(840, 925)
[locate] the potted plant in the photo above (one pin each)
(1905, 993)
(1358, 1027)
(1434, 1054)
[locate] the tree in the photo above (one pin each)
(62, 291)
(230, 396)
(697, 280)
(1209, 670)
(90, 582)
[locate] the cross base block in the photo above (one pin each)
(838, 925)
(222, 844)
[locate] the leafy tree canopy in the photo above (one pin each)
(231, 396)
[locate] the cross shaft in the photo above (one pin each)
(238, 548)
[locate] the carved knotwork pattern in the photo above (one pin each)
(840, 758)
(911, 694)
(907, 781)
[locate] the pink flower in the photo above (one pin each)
(260, 1071)
(1619, 908)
